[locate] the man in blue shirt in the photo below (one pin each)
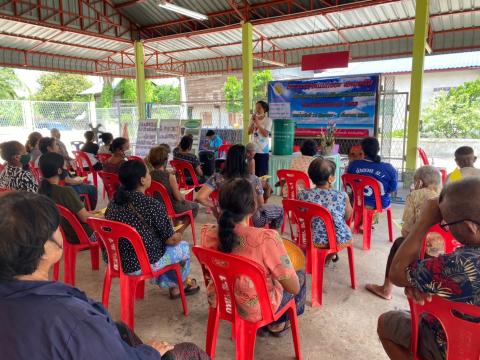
(372, 166)
(213, 141)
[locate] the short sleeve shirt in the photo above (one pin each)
(262, 143)
(90, 148)
(67, 197)
(16, 178)
(335, 201)
(154, 227)
(384, 173)
(413, 205)
(266, 248)
(454, 276)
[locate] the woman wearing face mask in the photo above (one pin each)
(261, 126)
(118, 149)
(51, 167)
(16, 175)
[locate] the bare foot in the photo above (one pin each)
(379, 291)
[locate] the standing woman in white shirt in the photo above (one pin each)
(261, 126)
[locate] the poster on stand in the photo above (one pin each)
(192, 127)
(350, 102)
(169, 132)
(146, 136)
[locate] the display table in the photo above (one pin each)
(277, 162)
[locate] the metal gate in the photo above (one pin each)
(393, 128)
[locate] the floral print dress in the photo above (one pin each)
(335, 202)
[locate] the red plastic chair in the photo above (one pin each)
(82, 158)
(131, 286)
(292, 179)
(425, 161)
(423, 156)
(462, 335)
(5, 190)
(301, 215)
(450, 243)
(2, 166)
(35, 171)
(223, 151)
(70, 250)
(103, 157)
(181, 168)
(156, 187)
(135, 158)
(110, 183)
(358, 183)
(224, 270)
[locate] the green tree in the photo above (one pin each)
(233, 94)
(106, 98)
(166, 94)
(233, 89)
(260, 84)
(454, 114)
(9, 84)
(127, 90)
(62, 87)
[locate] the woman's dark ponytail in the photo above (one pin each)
(237, 201)
(226, 226)
(121, 196)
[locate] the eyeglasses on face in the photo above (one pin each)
(445, 226)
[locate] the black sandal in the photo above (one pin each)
(190, 289)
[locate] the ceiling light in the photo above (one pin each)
(268, 61)
(182, 10)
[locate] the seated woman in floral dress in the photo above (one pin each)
(322, 174)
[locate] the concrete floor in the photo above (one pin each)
(343, 328)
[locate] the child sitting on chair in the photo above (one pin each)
(322, 174)
(427, 182)
(465, 159)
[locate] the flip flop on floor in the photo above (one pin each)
(281, 333)
(374, 289)
(190, 289)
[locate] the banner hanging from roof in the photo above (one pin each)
(349, 102)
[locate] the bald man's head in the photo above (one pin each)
(461, 201)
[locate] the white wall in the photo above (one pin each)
(438, 79)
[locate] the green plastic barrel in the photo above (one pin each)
(283, 136)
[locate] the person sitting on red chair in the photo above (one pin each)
(59, 321)
(372, 165)
(454, 276)
(264, 246)
(427, 182)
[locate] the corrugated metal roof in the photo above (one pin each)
(148, 12)
(404, 65)
(382, 30)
